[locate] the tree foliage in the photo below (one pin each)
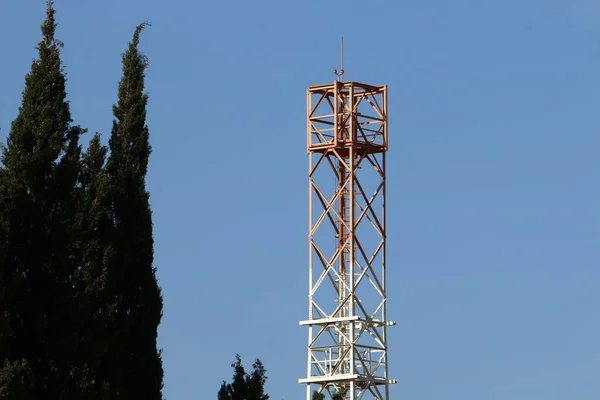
(336, 395)
(16, 381)
(317, 396)
(79, 300)
(37, 195)
(138, 304)
(245, 386)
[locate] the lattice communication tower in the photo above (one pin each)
(347, 326)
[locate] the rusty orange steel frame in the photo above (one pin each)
(347, 327)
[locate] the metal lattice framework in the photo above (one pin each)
(347, 338)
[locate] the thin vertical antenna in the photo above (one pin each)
(342, 61)
(340, 75)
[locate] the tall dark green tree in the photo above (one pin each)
(135, 363)
(245, 386)
(38, 179)
(95, 251)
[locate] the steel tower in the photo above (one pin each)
(347, 339)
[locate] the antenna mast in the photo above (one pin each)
(340, 74)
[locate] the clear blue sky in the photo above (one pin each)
(494, 179)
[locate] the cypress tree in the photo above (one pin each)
(37, 193)
(95, 252)
(136, 365)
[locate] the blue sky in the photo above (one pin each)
(493, 179)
